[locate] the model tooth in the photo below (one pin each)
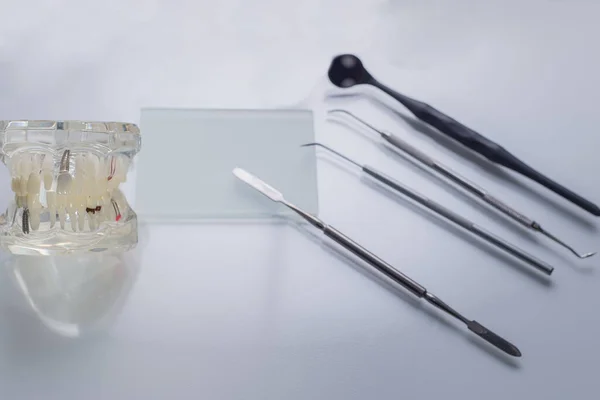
(24, 171)
(33, 184)
(88, 189)
(48, 162)
(92, 221)
(21, 201)
(71, 201)
(36, 163)
(71, 212)
(25, 165)
(77, 185)
(89, 202)
(15, 184)
(91, 165)
(81, 220)
(89, 174)
(64, 183)
(51, 200)
(81, 212)
(48, 179)
(23, 185)
(112, 184)
(99, 181)
(51, 203)
(101, 172)
(79, 163)
(81, 202)
(47, 171)
(62, 216)
(32, 200)
(33, 190)
(60, 209)
(101, 186)
(14, 174)
(73, 220)
(101, 215)
(34, 217)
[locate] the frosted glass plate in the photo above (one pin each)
(185, 171)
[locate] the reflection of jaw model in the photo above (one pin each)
(67, 195)
(76, 294)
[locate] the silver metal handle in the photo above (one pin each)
(515, 251)
(514, 214)
(418, 197)
(374, 261)
(458, 179)
(408, 148)
(459, 220)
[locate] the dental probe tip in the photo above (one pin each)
(333, 151)
(538, 228)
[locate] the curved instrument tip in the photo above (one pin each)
(494, 339)
(538, 228)
(588, 255)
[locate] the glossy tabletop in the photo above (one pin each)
(271, 311)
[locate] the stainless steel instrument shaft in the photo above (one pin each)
(382, 266)
(462, 182)
(445, 212)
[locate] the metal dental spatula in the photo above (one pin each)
(382, 266)
(347, 70)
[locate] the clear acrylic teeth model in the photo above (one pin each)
(65, 177)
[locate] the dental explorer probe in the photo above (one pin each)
(379, 264)
(445, 212)
(462, 182)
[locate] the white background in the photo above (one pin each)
(264, 312)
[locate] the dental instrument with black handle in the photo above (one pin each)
(446, 213)
(462, 182)
(347, 70)
(382, 266)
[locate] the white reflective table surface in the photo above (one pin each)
(268, 311)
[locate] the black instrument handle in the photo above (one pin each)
(482, 145)
(447, 125)
(517, 165)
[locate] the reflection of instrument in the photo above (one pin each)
(382, 266)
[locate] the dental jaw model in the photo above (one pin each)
(66, 177)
